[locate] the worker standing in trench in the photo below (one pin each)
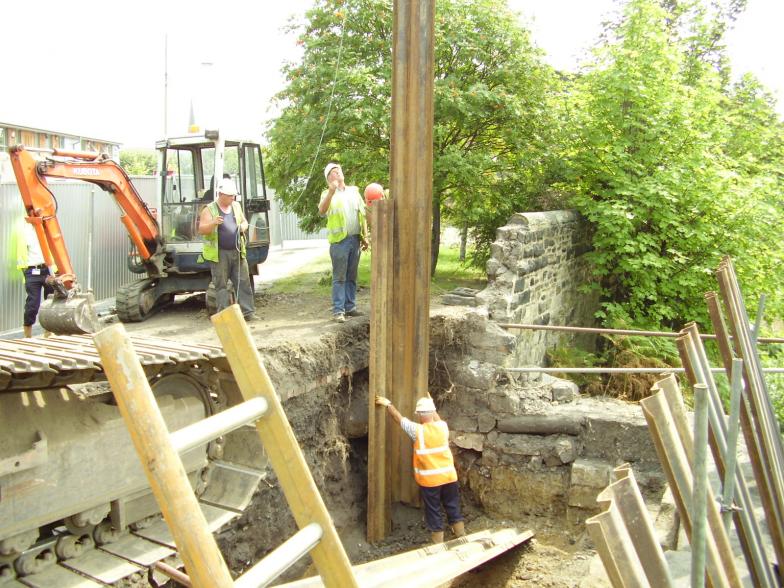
(434, 466)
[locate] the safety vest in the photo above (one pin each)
(210, 249)
(433, 462)
(336, 219)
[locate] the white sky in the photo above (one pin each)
(81, 68)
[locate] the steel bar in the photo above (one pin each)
(180, 577)
(616, 548)
(218, 424)
(411, 180)
(281, 558)
(434, 565)
(694, 358)
(381, 441)
(161, 463)
(608, 370)
(758, 319)
(637, 520)
(699, 496)
(674, 460)
(731, 454)
(604, 331)
(763, 424)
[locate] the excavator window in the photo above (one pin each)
(180, 196)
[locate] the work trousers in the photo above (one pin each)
(433, 498)
(35, 281)
(231, 266)
(345, 260)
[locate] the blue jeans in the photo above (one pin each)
(345, 260)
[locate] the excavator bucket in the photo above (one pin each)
(73, 315)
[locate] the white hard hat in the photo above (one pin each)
(227, 186)
(425, 405)
(329, 168)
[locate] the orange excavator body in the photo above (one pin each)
(73, 314)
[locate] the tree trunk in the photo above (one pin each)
(435, 236)
(463, 242)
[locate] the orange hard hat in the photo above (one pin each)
(373, 192)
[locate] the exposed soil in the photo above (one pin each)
(558, 556)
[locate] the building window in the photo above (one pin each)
(3, 141)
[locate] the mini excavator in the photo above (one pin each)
(169, 251)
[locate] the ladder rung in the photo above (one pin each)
(280, 559)
(219, 424)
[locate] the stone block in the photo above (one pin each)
(564, 391)
(456, 300)
(550, 450)
(512, 492)
(591, 473)
(463, 423)
(475, 374)
(583, 496)
(486, 423)
(473, 441)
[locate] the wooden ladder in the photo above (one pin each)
(160, 455)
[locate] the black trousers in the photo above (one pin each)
(33, 286)
(447, 495)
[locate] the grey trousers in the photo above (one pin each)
(231, 266)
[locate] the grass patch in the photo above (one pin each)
(316, 276)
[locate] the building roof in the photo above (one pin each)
(52, 132)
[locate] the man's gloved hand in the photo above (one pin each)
(381, 401)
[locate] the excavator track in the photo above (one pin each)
(138, 300)
(75, 507)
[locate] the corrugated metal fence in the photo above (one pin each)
(97, 240)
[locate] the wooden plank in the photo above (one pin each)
(161, 463)
(411, 188)
(282, 448)
(379, 517)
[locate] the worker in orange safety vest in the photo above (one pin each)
(434, 467)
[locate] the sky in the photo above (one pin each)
(79, 68)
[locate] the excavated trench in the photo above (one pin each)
(543, 478)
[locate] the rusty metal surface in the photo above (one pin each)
(30, 364)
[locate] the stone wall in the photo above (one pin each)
(535, 275)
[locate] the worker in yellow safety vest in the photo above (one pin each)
(434, 467)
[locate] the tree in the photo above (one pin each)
(491, 117)
(139, 162)
(652, 169)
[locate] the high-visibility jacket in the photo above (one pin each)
(433, 462)
(336, 215)
(210, 249)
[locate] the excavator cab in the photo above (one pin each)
(189, 169)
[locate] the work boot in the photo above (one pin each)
(28, 331)
(437, 536)
(458, 529)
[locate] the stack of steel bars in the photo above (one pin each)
(625, 537)
(695, 361)
(669, 427)
(757, 419)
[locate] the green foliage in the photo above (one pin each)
(139, 162)
(491, 118)
(653, 170)
(316, 277)
(618, 351)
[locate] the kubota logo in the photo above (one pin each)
(86, 171)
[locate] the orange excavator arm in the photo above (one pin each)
(41, 206)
